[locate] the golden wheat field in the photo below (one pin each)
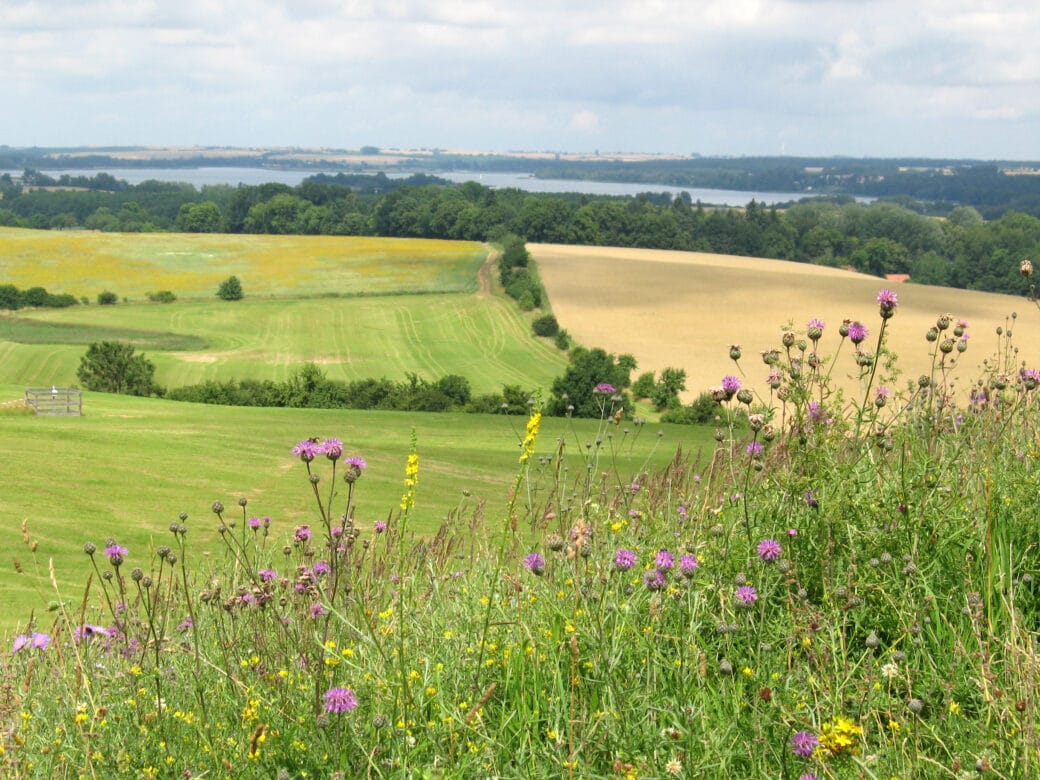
(684, 309)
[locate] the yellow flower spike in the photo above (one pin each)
(531, 436)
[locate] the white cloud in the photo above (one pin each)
(718, 76)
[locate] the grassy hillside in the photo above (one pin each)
(341, 302)
(683, 309)
(130, 465)
(483, 338)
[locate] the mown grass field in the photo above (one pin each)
(683, 309)
(85, 263)
(129, 466)
(483, 338)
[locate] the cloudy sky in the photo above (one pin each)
(934, 78)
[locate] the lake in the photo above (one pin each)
(200, 177)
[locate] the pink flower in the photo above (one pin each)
(338, 700)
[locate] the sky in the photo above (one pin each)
(922, 78)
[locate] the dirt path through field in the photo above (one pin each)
(484, 273)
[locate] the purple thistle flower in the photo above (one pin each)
(754, 449)
(339, 700)
(333, 449)
(302, 533)
(814, 329)
(266, 575)
(254, 523)
(317, 610)
(857, 332)
(688, 565)
(20, 641)
(88, 631)
(664, 561)
(808, 776)
(40, 641)
(307, 450)
(745, 596)
(605, 387)
(116, 553)
(888, 301)
(1030, 378)
(379, 526)
(321, 568)
(357, 462)
(730, 384)
(769, 550)
(624, 560)
(654, 580)
(534, 563)
(804, 743)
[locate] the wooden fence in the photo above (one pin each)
(55, 401)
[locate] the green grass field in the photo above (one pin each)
(483, 338)
(129, 466)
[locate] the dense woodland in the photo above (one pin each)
(959, 249)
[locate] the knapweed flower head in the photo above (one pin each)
(1030, 378)
(604, 388)
(655, 580)
(266, 575)
(254, 523)
(333, 449)
(804, 743)
(534, 563)
(357, 462)
(769, 550)
(339, 700)
(745, 596)
(88, 631)
(688, 565)
(754, 449)
(379, 526)
(814, 329)
(858, 332)
(302, 533)
(664, 560)
(730, 384)
(36, 641)
(115, 553)
(887, 300)
(624, 560)
(307, 450)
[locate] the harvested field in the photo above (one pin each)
(683, 309)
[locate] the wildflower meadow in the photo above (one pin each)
(845, 587)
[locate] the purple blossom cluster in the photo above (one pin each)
(35, 641)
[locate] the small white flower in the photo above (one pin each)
(889, 671)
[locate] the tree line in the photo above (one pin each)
(961, 249)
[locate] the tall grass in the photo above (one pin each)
(848, 590)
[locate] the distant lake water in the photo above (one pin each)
(200, 177)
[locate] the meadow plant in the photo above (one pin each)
(845, 587)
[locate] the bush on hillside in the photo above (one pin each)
(107, 298)
(230, 289)
(114, 367)
(546, 325)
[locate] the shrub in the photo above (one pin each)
(546, 325)
(163, 296)
(562, 340)
(582, 390)
(113, 367)
(107, 298)
(230, 289)
(702, 410)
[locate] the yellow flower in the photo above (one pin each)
(411, 477)
(527, 447)
(955, 708)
